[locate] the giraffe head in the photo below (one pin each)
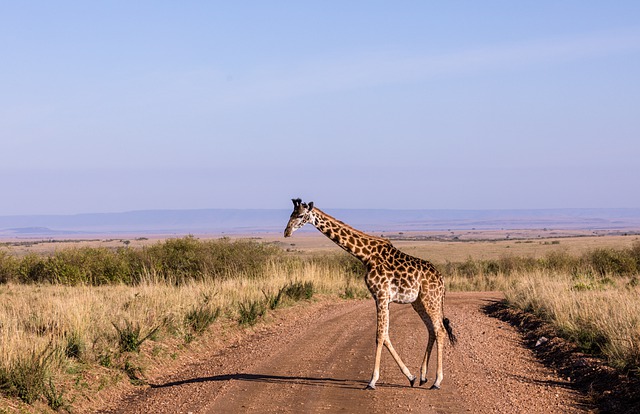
(301, 215)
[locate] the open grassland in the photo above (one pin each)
(76, 321)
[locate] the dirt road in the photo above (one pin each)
(319, 359)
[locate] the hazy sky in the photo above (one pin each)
(124, 105)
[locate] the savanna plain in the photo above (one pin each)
(83, 322)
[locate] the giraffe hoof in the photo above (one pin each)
(370, 387)
(413, 381)
(435, 387)
(423, 381)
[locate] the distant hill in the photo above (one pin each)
(236, 221)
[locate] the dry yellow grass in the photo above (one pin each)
(602, 315)
(34, 315)
(38, 317)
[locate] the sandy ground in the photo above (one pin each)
(319, 358)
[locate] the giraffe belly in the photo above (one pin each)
(400, 295)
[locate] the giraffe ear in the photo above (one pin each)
(310, 206)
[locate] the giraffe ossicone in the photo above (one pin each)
(392, 276)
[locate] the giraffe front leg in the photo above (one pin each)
(382, 309)
(403, 367)
(376, 366)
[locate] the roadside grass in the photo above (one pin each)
(109, 314)
(54, 335)
(601, 314)
(592, 299)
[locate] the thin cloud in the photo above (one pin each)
(372, 70)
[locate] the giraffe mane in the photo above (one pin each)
(354, 230)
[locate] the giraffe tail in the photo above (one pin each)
(449, 329)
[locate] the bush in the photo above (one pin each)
(32, 269)
(27, 376)
(185, 259)
(8, 267)
(250, 311)
(130, 336)
(200, 317)
(299, 290)
(612, 262)
(74, 345)
(274, 300)
(559, 261)
(603, 262)
(55, 399)
(176, 261)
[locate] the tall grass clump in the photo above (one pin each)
(299, 290)
(27, 375)
(274, 300)
(250, 311)
(130, 336)
(200, 317)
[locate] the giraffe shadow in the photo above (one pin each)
(271, 379)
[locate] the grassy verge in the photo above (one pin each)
(66, 334)
(592, 299)
(600, 314)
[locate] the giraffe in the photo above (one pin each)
(392, 276)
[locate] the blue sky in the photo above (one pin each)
(118, 105)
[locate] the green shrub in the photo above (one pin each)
(610, 261)
(27, 376)
(185, 259)
(176, 261)
(250, 311)
(8, 267)
(74, 345)
(587, 337)
(130, 336)
(55, 399)
(620, 262)
(350, 292)
(32, 269)
(134, 372)
(104, 360)
(274, 300)
(299, 290)
(199, 318)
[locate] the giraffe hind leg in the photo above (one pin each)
(440, 336)
(418, 306)
(427, 356)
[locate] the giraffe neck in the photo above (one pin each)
(359, 244)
